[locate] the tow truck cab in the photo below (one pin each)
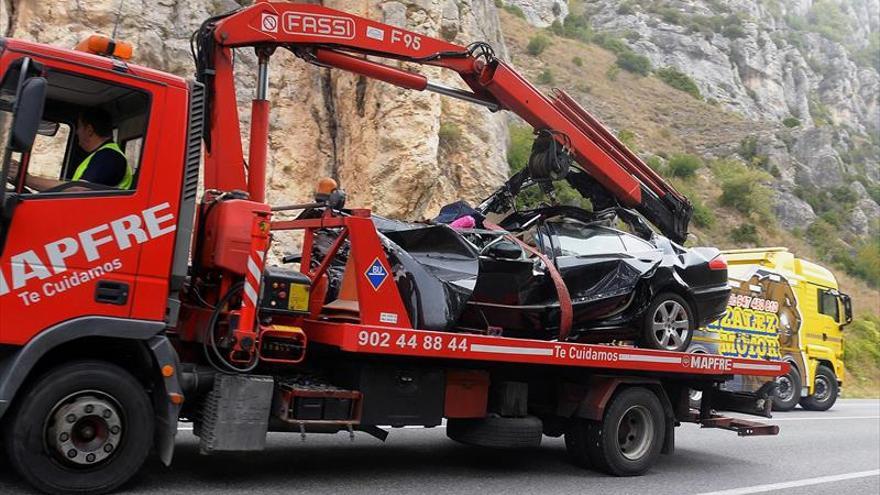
(82, 250)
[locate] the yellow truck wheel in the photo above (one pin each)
(825, 391)
(789, 391)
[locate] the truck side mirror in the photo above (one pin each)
(28, 115)
(847, 309)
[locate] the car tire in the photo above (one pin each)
(668, 324)
(825, 391)
(497, 432)
(627, 441)
(789, 391)
(84, 427)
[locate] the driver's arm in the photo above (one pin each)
(39, 183)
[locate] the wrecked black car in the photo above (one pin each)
(621, 286)
(620, 280)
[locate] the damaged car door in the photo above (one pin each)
(602, 268)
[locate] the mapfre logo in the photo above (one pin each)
(328, 26)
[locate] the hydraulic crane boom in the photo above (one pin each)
(331, 38)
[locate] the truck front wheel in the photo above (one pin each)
(84, 427)
(627, 441)
(825, 391)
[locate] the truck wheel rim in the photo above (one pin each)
(670, 325)
(822, 389)
(84, 429)
(635, 432)
(786, 389)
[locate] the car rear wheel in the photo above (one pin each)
(825, 391)
(789, 391)
(668, 324)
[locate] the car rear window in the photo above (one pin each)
(636, 245)
(576, 239)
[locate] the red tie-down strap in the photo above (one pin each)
(565, 311)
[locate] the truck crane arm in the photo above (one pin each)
(336, 39)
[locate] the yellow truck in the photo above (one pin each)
(783, 308)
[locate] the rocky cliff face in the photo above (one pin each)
(401, 152)
(540, 13)
(811, 64)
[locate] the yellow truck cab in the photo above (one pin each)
(783, 308)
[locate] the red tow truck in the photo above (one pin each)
(123, 312)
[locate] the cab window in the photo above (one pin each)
(73, 155)
(828, 304)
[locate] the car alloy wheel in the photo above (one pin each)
(670, 325)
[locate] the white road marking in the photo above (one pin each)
(504, 349)
(825, 418)
(794, 484)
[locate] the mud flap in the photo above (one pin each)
(166, 411)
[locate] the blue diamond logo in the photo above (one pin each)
(376, 274)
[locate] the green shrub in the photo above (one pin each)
(520, 147)
(679, 80)
(670, 15)
(684, 165)
(742, 188)
(866, 263)
(612, 72)
(537, 45)
(633, 62)
(656, 163)
(703, 215)
(861, 347)
(546, 77)
(628, 138)
(745, 234)
(610, 43)
(833, 205)
(625, 8)
(791, 122)
(869, 56)
(827, 19)
(748, 150)
(577, 27)
(578, 61)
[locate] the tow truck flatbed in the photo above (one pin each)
(367, 339)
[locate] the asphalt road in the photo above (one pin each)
(837, 451)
